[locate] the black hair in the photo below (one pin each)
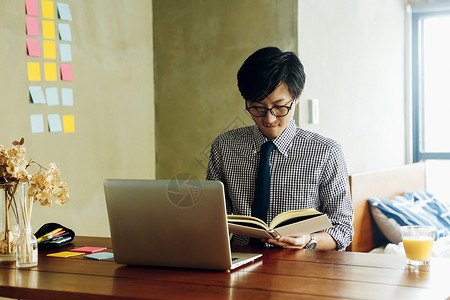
(263, 71)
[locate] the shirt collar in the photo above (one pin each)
(282, 142)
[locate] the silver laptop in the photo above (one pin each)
(170, 223)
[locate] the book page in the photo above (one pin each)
(293, 216)
(313, 224)
(247, 221)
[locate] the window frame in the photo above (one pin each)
(417, 85)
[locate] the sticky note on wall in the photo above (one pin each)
(50, 71)
(31, 7)
(36, 94)
(37, 123)
(66, 72)
(49, 49)
(48, 11)
(69, 123)
(54, 123)
(64, 32)
(65, 52)
(32, 25)
(64, 11)
(33, 47)
(52, 96)
(48, 29)
(67, 96)
(34, 71)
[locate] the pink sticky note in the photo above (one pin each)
(33, 47)
(32, 25)
(89, 249)
(31, 7)
(66, 72)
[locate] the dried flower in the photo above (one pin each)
(43, 186)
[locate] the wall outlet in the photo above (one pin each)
(313, 111)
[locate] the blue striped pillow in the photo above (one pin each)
(416, 208)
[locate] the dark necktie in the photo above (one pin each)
(261, 200)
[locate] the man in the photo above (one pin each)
(304, 169)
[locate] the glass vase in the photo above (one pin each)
(26, 249)
(9, 226)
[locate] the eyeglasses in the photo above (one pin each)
(277, 111)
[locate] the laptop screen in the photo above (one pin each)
(168, 223)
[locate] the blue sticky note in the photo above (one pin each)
(65, 52)
(54, 123)
(64, 11)
(67, 96)
(64, 32)
(52, 96)
(100, 255)
(37, 123)
(36, 94)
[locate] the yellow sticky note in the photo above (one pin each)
(48, 29)
(69, 123)
(49, 49)
(65, 254)
(48, 11)
(34, 71)
(50, 71)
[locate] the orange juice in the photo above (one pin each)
(418, 247)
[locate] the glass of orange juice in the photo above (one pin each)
(418, 243)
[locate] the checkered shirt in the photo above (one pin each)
(307, 171)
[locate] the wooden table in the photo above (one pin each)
(280, 274)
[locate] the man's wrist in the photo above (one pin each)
(312, 242)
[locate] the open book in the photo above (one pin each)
(289, 223)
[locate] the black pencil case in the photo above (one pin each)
(58, 239)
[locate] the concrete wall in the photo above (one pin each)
(112, 65)
(199, 47)
(354, 56)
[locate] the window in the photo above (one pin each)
(431, 97)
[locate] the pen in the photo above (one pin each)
(59, 241)
(48, 237)
(50, 233)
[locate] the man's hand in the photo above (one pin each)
(323, 239)
(293, 242)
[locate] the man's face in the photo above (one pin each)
(270, 125)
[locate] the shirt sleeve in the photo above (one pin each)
(334, 193)
(216, 172)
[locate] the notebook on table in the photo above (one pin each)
(171, 223)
